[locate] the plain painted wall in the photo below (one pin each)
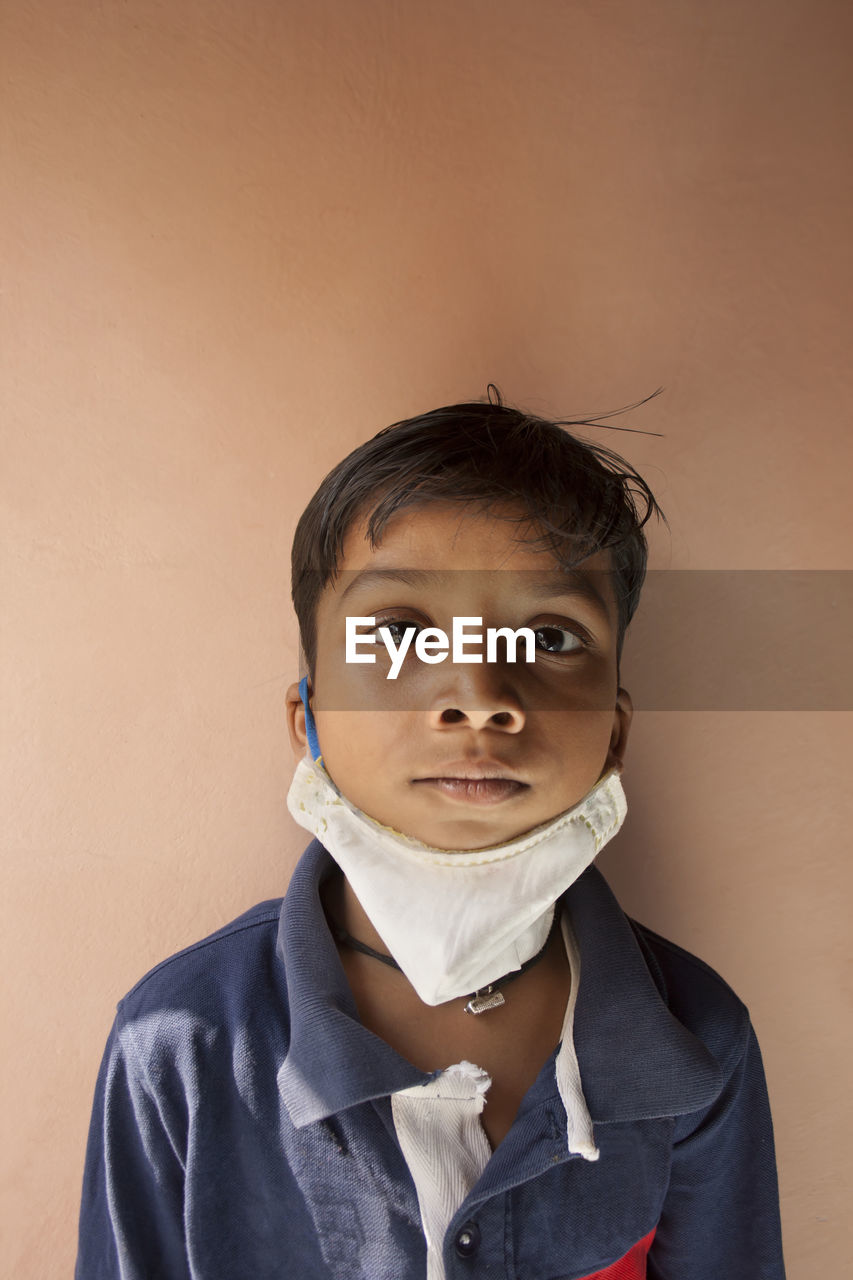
(241, 238)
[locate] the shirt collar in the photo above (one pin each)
(637, 1061)
(332, 1062)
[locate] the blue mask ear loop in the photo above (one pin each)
(310, 726)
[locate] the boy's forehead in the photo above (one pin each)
(426, 535)
(446, 548)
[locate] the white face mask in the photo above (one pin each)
(457, 921)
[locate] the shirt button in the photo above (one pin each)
(468, 1240)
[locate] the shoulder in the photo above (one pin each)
(214, 981)
(696, 994)
(229, 993)
(196, 1040)
(637, 972)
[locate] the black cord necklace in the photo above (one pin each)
(481, 1001)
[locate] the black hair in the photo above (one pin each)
(579, 496)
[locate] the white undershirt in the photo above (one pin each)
(443, 1140)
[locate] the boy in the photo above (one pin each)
(446, 1052)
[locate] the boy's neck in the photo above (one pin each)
(343, 909)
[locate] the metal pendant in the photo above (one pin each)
(484, 1000)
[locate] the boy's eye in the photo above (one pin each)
(554, 639)
(398, 627)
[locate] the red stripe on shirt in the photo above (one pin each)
(631, 1267)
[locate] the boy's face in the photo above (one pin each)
(550, 728)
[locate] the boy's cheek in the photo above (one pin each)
(368, 745)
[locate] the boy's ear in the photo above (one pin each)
(296, 721)
(622, 715)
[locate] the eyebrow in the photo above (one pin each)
(376, 577)
(571, 582)
(549, 584)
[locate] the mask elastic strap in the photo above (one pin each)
(310, 726)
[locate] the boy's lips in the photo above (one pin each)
(475, 781)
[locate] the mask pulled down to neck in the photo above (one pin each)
(454, 920)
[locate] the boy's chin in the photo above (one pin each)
(468, 835)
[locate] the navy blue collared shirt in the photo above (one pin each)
(242, 1125)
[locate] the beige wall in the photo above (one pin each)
(240, 238)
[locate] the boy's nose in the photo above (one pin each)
(479, 707)
(509, 719)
